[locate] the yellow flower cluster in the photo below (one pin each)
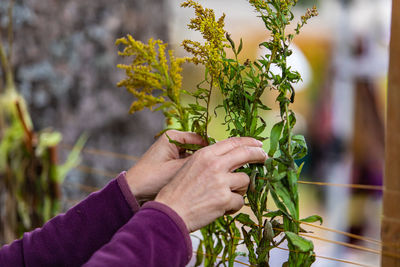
(260, 5)
(284, 5)
(150, 71)
(309, 14)
(212, 30)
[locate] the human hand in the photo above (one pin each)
(159, 164)
(206, 188)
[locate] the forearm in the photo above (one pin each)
(155, 236)
(71, 238)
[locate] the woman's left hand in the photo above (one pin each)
(159, 164)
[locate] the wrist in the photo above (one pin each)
(135, 187)
(130, 198)
(181, 212)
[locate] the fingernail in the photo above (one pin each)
(263, 151)
(259, 143)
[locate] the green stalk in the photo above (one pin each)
(208, 108)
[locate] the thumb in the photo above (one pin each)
(186, 137)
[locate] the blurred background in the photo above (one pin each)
(65, 66)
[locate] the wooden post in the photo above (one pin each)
(391, 198)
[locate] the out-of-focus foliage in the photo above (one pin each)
(29, 171)
(30, 175)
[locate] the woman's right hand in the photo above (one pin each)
(206, 188)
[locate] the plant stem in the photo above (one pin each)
(208, 108)
(7, 70)
(260, 89)
(10, 30)
(288, 126)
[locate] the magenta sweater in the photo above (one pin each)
(108, 228)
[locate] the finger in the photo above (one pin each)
(238, 182)
(242, 155)
(184, 155)
(183, 160)
(185, 137)
(235, 204)
(227, 145)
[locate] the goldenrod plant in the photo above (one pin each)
(242, 85)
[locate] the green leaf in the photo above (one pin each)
(199, 254)
(292, 179)
(299, 147)
(218, 248)
(263, 197)
(197, 107)
(263, 107)
(46, 140)
(313, 218)
(272, 214)
(302, 244)
(260, 130)
(250, 247)
(292, 95)
(249, 97)
(278, 203)
(239, 126)
(274, 138)
(228, 37)
(299, 169)
(265, 242)
(73, 158)
(253, 124)
(240, 46)
(268, 234)
(285, 196)
(277, 176)
(245, 220)
(190, 147)
(253, 175)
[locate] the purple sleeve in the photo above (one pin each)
(70, 239)
(155, 236)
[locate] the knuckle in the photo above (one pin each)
(201, 155)
(205, 152)
(169, 132)
(219, 182)
(215, 165)
(255, 153)
(245, 178)
(197, 154)
(225, 198)
(234, 141)
(207, 157)
(262, 153)
(240, 203)
(246, 150)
